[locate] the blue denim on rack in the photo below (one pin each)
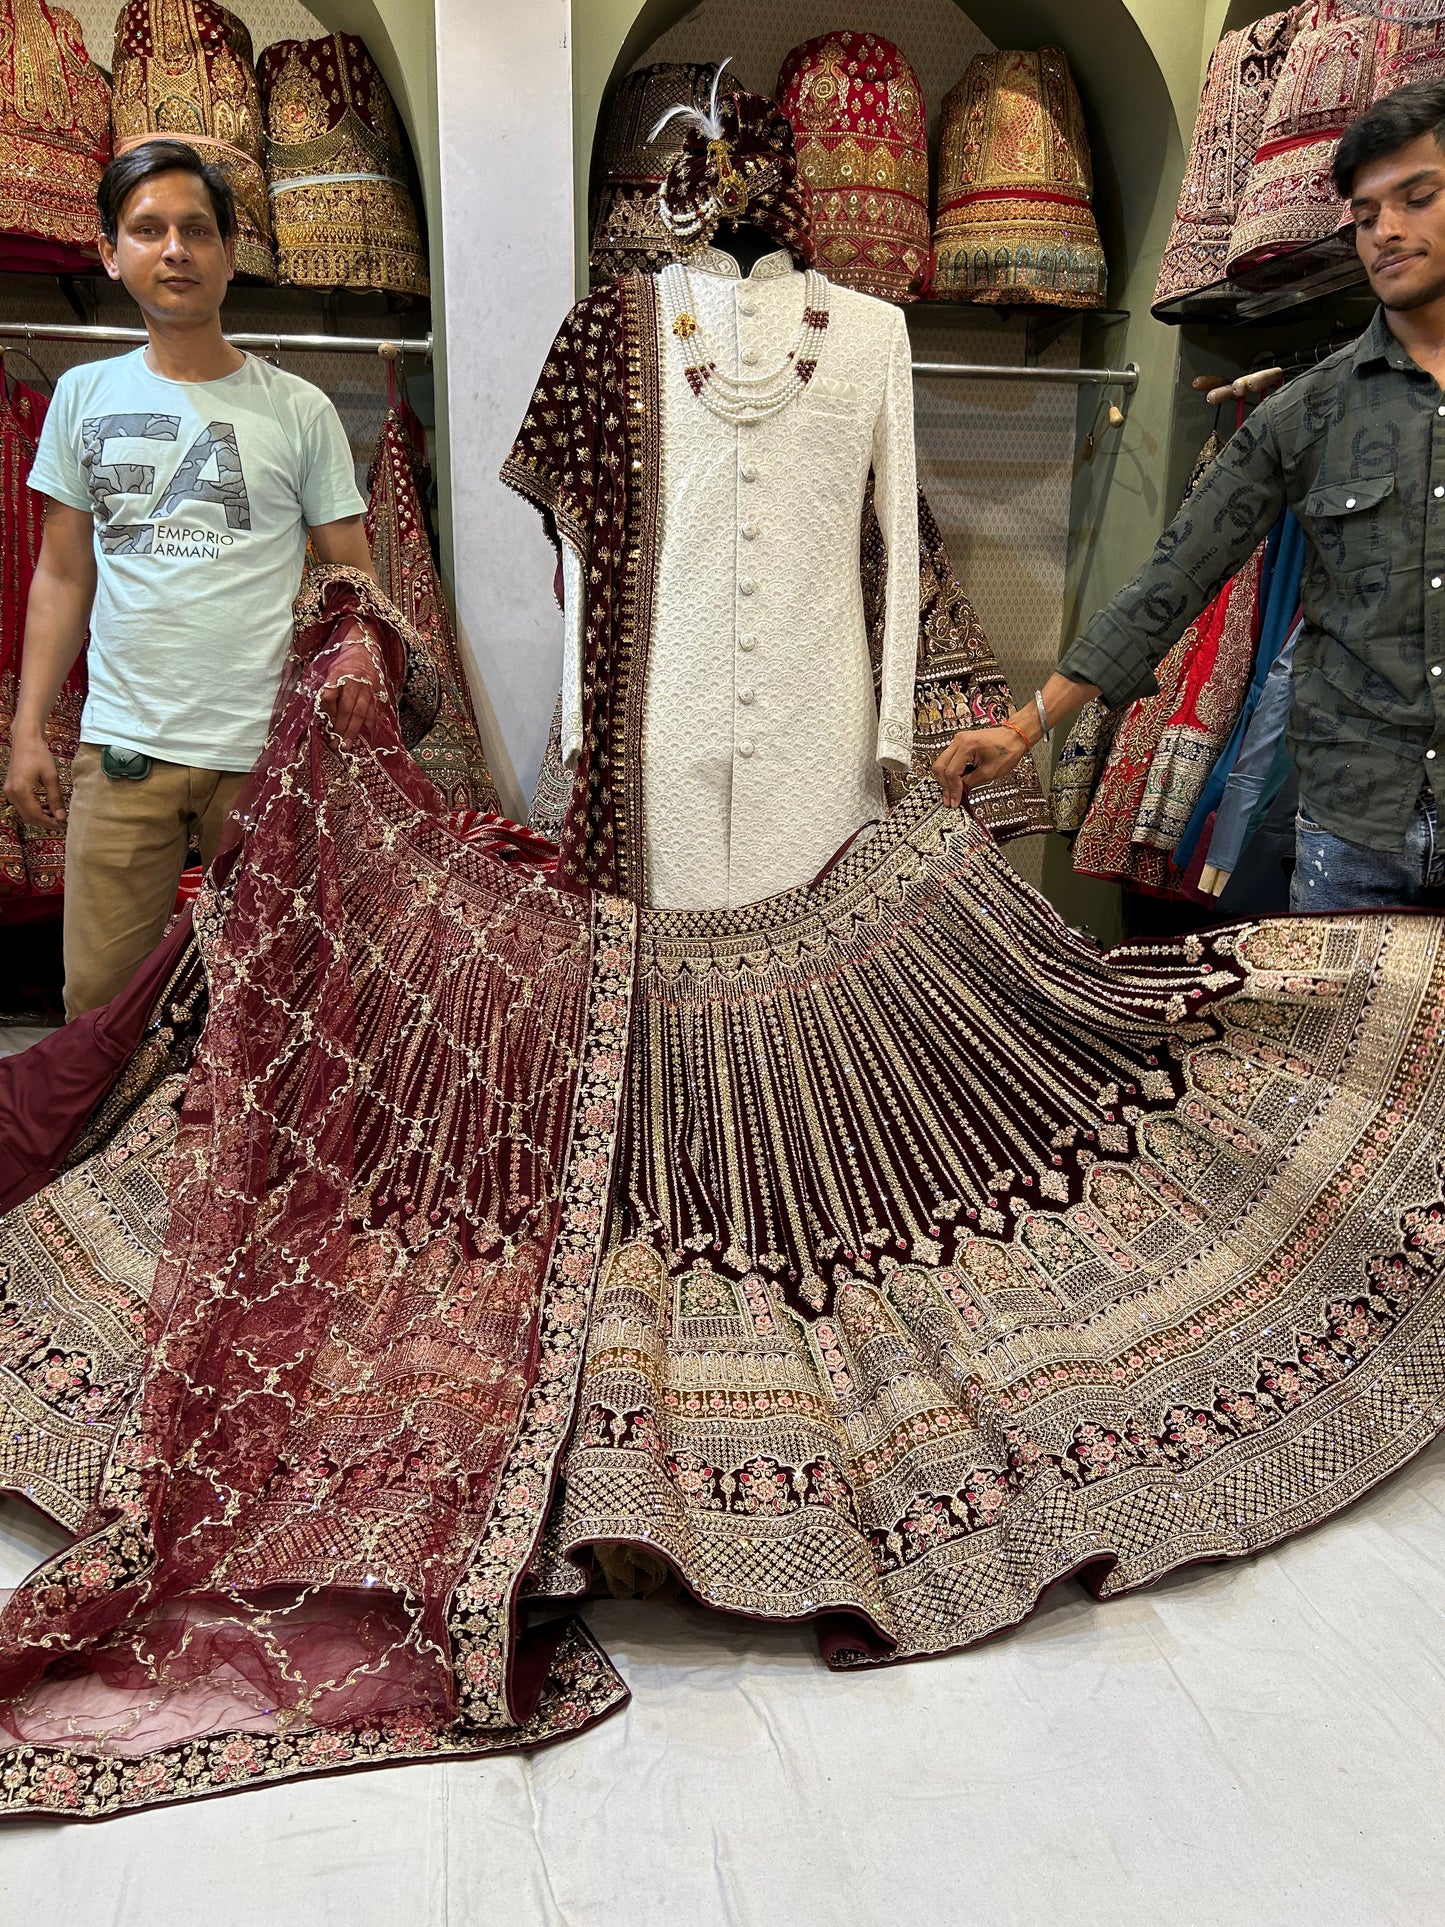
(1279, 607)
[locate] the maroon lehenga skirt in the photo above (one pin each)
(879, 1255)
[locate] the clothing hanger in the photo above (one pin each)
(1260, 380)
(40, 375)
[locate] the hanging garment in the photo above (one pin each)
(1227, 130)
(1015, 186)
(880, 1255)
(451, 752)
(32, 861)
(54, 141)
(1210, 697)
(1280, 608)
(1260, 768)
(628, 233)
(1326, 81)
(1081, 761)
(184, 68)
(340, 178)
(1080, 765)
(958, 683)
(712, 574)
(1406, 51)
(1201, 685)
(857, 114)
(554, 786)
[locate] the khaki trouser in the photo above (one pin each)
(125, 848)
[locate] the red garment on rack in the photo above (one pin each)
(32, 862)
(1167, 743)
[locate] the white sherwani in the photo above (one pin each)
(763, 744)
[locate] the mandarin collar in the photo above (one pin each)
(769, 267)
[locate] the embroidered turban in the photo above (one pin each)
(856, 110)
(738, 164)
(628, 233)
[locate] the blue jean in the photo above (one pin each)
(1333, 874)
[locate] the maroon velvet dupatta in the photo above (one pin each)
(589, 456)
(386, 1200)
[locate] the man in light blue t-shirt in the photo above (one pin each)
(182, 483)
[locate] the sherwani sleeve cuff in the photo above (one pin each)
(896, 502)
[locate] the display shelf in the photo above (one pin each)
(1043, 323)
(1324, 271)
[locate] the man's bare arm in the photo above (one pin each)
(978, 756)
(344, 544)
(57, 616)
(348, 697)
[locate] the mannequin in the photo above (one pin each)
(746, 243)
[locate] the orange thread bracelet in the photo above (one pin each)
(1019, 733)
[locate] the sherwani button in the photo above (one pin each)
(750, 531)
(749, 473)
(745, 748)
(750, 355)
(751, 643)
(746, 586)
(745, 696)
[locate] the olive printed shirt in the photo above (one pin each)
(1356, 447)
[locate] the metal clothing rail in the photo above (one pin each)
(388, 348)
(1125, 378)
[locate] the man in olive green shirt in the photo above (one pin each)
(1356, 448)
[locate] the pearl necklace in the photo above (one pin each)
(744, 398)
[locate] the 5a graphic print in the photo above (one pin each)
(152, 532)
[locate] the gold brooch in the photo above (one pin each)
(685, 326)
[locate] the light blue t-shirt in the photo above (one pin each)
(202, 494)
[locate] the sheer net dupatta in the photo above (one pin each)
(366, 1325)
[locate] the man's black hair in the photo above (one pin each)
(1392, 123)
(142, 163)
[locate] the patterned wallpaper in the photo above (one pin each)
(995, 459)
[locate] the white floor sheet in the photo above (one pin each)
(1264, 1742)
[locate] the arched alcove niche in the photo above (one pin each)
(1138, 65)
